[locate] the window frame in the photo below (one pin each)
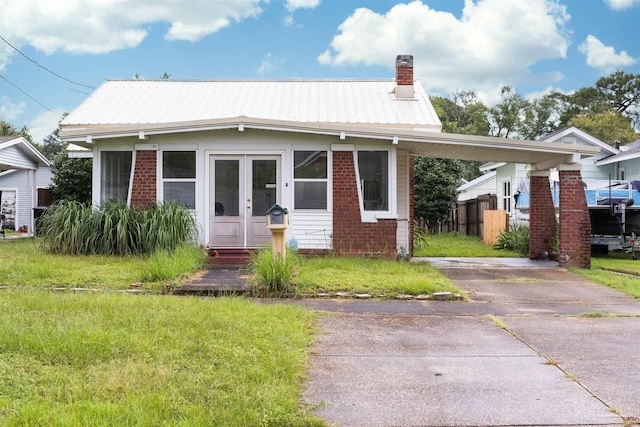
(391, 211)
(193, 180)
(311, 180)
(506, 196)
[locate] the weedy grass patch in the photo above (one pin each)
(25, 263)
(108, 359)
(373, 276)
(616, 271)
(458, 245)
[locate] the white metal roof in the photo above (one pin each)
(305, 101)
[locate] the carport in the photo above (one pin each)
(574, 228)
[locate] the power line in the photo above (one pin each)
(50, 110)
(43, 67)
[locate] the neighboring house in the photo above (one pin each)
(25, 176)
(336, 153)
(484, 184)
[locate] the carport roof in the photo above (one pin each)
(418, 142)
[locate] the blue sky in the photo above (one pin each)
(533, 45)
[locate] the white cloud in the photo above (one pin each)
(292, 5)
(288, 20)
(546, 91)
(99, 26)
(621, 4)
(269, 63)
(493, 43)
(604, 58)
(9, 111)
(45, 123)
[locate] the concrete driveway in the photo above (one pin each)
(537, 360)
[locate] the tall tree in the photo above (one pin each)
(609, 126)
(52, 144)
(7, 129)
(435, 187)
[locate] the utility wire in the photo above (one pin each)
(43, 67)
(50, 110)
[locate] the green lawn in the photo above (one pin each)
(24, 263)
(459, 245)
(373, 276)
(603, 270)
(107, 359)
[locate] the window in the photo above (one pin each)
(506, 196)
(373, 167)
(621, 174)
(115, 175)
(179, 177)
(310, 179)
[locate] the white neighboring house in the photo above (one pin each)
(512, 179)
(24, 175)
(484, 184)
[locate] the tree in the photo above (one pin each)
(52, 144)
(609, 127)
(7, 129)
(71, 178)
(435, 187)
(464, 113)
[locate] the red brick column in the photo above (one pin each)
(542, 215)
(352, 237)
(143, 189)
(575, 224)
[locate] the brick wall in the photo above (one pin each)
(542, 217)
(143, 190)
(352, 237)
(575, 224)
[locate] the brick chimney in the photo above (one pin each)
(404, 76)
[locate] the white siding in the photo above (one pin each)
(402, 233)
(14, 157)
(19, 181)
(43, 177)
(311, 230)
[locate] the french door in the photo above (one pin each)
(242, 189)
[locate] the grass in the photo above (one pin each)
(604, 271)
(109, 359)
(459, 245)
(373, 276)
(25, 263)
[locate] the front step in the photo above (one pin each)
(226, 256)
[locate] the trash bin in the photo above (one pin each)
(38, 212)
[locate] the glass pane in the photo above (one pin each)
(227, 183)
(184, 192)
(311, 195)
(179, 164)
(115, 175)
(264, 186)
(310, 164)
(374, 179)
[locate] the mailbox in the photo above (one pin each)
(277, 217)
(277, 222)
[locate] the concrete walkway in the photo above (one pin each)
(533, 362)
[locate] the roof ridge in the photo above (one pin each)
(386, 80)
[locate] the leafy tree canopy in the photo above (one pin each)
(608, 126)
(7, 129)
(435, 187)
(71, 178)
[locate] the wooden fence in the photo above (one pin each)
(467, 218)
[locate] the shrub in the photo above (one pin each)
(516, 238)
(273, 275)
(115, 229)
(420, 236)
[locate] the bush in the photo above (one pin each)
(115, 229)
(516, 238)
(273, 275)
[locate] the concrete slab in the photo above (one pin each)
(602, 353)
(454, 371)
(452, 262)
(389, 307)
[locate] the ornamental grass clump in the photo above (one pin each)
(516, 238)
(274, 275)
(113, 228)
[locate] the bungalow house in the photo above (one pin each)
(25, 175)
(336, 153)
(484, 184)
